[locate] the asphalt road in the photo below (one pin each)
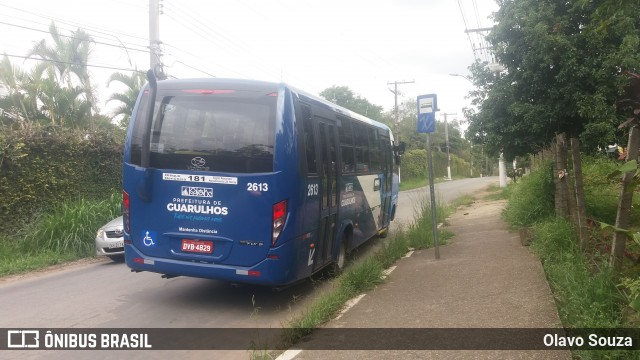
(104, 294)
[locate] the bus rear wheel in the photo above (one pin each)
(341, 259)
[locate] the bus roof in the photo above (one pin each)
(242, 84)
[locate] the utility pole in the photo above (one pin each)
(397, 120)
(446, 139)
(155, 52)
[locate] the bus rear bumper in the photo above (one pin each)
(269, 272)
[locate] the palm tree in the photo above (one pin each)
(68, 56)
(15, 82)
(127, 99)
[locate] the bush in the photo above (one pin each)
(71, 227)
(414, 165)
(601, 193)
(54, 168)
(532, 199)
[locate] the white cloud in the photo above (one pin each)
(312, 44)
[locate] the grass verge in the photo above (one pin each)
(584, 287)
(365, 275)
(66, 233)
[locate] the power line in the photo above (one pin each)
(100, 30)
(191, 67)
(63, 27)
(234, 45)
(71, 63)
(203, 59)
(466, 28)
(73, 37)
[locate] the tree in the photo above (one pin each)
(127, 99)
(68, 57)
(345, 97)
(18, 104)
(564, 67)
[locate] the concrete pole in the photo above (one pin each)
(397, 120)
(502, 169)
(155, 53)
(446, 139)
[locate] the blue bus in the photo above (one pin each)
(251, 182)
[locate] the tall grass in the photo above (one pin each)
(531, 200)
(584, 288)
(601, 193)
(587, 298)
(71, 227)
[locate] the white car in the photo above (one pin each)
(110, 240)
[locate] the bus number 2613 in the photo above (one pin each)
(312, 189)
(257, 187)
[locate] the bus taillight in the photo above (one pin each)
(279, 218)
(125, 211)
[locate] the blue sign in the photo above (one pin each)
(427, 107)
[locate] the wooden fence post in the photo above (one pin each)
(583, 231)
(624, 205)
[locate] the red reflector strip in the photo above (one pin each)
(250, 272)
(138, 260)
(273, 257)
(208, 91)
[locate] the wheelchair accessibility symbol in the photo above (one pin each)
(147, 240)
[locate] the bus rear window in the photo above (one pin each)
(220, 133)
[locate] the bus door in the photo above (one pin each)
(387, 168)
(327, 132)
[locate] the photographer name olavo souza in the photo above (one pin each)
(592, 340)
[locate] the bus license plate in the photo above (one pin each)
(197, 246)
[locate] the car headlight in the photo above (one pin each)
(100, 233)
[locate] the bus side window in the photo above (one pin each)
(362, 147)
(374, 150)
(309, 140)
(346, 146)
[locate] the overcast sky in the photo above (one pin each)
(311, 44)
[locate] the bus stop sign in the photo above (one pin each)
(427, 107)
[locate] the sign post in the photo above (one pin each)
(427, 107)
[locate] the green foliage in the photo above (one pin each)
(601, 192)
(57, 167)
(414, 165)
(127, 99)
(71, 227)
(405, 129)
(633, 288)
(564, 72)
(66, 233)
(585, 291)
(587, 299)
(11, 147)
(532, 199)
(345, 97)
